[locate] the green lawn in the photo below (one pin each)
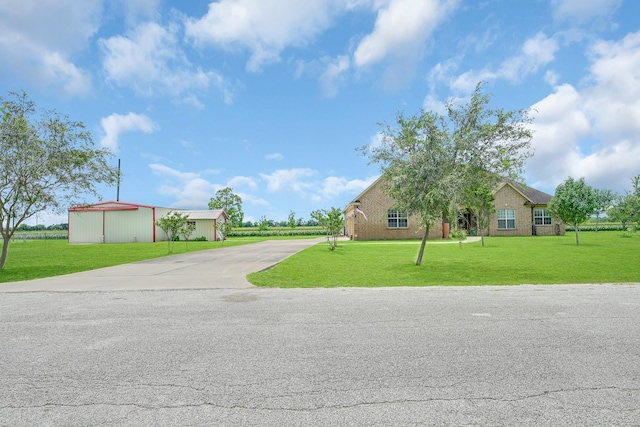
(34, 259)
(600, 258)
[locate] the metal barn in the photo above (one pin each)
(120, 222)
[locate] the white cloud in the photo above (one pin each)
(593, 133)
(274, 156)
(265, 27)
(288, 179)
(614, 98)
(580, 11)
(39, 38)
(559, 124)
(192, 191)
(149, 60)
(536, 52)
(242, 181)
(189, 189)
(333, 75)
(401, 27)
(115, 124)
(333, 187)
(139, 10)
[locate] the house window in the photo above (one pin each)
(397, 219)
(506, 219)
(191, 225)
(541, 217)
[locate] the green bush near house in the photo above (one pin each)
(600, 258)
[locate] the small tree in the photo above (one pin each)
(47, 162)
(263, 224)
(292, 221)
(603, 200)
(332, 221)
(187, 231)
(574, 202)
(173, 224)
(231, 203)
(223, 227)
(480, 199)
(626, 208)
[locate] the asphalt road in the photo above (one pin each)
(490, 356)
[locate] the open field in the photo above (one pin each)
(600, 258)
(34, 259)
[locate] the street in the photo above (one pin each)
(523, 355)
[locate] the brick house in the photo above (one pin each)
(520, 211)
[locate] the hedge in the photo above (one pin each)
(592, 227)
(285, 232)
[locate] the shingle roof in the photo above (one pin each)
(536, 197)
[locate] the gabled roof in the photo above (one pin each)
(366, 190)
(124, 206)
(109, 206)
(533, 196)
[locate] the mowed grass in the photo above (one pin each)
(34, 259)
(600, 258)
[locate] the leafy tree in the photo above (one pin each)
(332, 221)
(223, 227)
(573, 202)
(292, 222)
(480, 199)
(47, 162)
(263, 224)
(231, 203)
(603, 200)
(431, 162)
(173, 225)
(186, 231)
(626, 208)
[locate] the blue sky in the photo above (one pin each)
(272, 97)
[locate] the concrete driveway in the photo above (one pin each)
(216, 268)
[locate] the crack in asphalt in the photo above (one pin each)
(329, 407)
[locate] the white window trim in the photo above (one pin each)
(506, 219)
(399, 215)
(541, 217)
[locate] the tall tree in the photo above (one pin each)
(231, 203)
(47, 163)
(573, 202)
(431, 162)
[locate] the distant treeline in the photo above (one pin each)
(41, 227)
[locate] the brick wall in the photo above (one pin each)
(508, 198)
(375, 202)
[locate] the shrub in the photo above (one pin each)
(606, 227)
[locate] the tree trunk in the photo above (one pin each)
(5, 248)
(422, 245)
(575, 227)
